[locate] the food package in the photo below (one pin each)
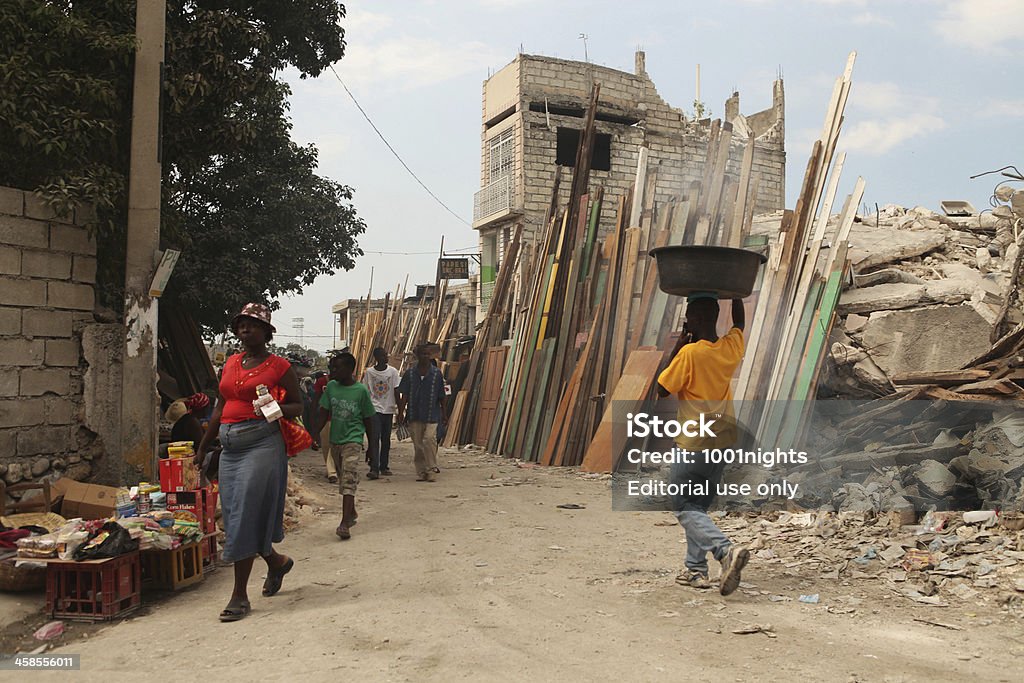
(36, 547)
(180, 449)
(69, 537)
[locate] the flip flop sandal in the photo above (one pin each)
(235, 612)
(274, 578)
(343, 532)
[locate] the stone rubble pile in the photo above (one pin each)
(929, 289)
(943, 561)
(932, 331)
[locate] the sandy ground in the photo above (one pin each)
(481, 577)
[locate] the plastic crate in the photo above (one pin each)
(178, 474)
(210, 552)
(200, 502)
(173, 570)
(93, 590)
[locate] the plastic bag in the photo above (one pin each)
(402, 432)
(296, 437)
(69, 542)
(111, 540)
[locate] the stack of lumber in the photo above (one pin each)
(799, 292)
(402, 325)
(546, 371)
(587, 334)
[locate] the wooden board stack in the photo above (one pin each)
(400, 326)
(799, 291)
(593, 318)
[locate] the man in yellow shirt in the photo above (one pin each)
(699, 374)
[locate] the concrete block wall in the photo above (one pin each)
(47, 281)
(677, 146)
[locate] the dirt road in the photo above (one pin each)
(481, 577)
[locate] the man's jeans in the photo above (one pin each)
(380, 449)
(702, 535)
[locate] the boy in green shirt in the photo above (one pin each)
(346, 404)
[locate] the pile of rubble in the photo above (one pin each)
(932, 329)
(931, 293)
(943, 560)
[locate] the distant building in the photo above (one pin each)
(532, 118)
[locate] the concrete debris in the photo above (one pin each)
(927, 293)
(957, 563)
(877, 246)
(884, 297)
(855, 323)
(935, 478)
(929, 338)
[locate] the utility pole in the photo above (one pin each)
(139, 399)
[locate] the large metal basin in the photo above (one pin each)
(685, 269)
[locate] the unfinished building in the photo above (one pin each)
(533, 112)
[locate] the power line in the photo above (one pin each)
(393, 151)
(416, 253)
(307, 336)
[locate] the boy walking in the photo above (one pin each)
(346, 405)
(382, 381)
(323, 438)
(422, 391)
(699, 374)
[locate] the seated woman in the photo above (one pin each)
(184, 414)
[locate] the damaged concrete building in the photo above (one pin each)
(532, 116)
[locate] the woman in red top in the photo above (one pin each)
(253, 467)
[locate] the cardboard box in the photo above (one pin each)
(178, 474)
(88, 501)
(201, 502)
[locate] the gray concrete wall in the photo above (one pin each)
(677, 145)
(47, 279)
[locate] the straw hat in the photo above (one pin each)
(50, 521)
(176, 411)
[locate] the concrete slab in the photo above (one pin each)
(871, 246)
(881, 298)
(899, 295)
(925, 339)
(936, 478)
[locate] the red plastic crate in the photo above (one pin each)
(93, 590)
(201, 502)
(178, 474)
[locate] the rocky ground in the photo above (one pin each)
(481, 576)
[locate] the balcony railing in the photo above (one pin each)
(493, 199)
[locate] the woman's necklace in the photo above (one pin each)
(251, 371)
(249, 362)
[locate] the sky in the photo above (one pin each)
(936, 98)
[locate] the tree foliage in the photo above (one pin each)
(241, 199)
(62, 103)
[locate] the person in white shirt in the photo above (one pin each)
(382, 380)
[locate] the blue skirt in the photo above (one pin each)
(253, 480)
